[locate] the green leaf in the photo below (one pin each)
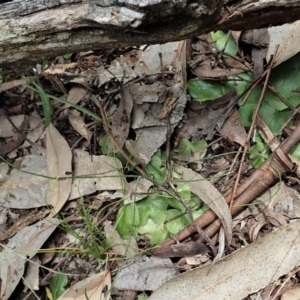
(201, 90)
(286, 80)
(241, 86)
(68, 55)
(178, 221)
(155, 168)
(128, 220)
(187, 147)
(57, 285)
(1, 78)
(184, 192)
(142, 297)
(46, 103)
(156, 232)
(151, 206)
(246, 111)
(44, 64)
(105, 144)
(274, 118)
(295, 152)
(220, 39)
(260, 151)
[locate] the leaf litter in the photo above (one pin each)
(146, 104)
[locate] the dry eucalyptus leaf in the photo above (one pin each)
(19, 250)
(31, 278)
(126, 248)
(289, 37)
(241, 273)
(145, 273)
(9, 85)
(98, 173)
(77, 121)
(59, 164)
(23, 190)
(6, 129)
(137, 190)
(95, 287)
(209, 195)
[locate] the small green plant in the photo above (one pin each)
(158, 216)
(90, 239)
(58, 285)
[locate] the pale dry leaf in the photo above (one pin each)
(137, 190)
(233, 129)
(32, 274)
(287, 36)
(59, 69)
(6, 129)
(59, 164)
(95, 287)
(77, 121)
(23, 190)
(9, 85)
(125, 248)
(76, 94)
(209, 195)
(150, 131)
(239, 274)
(97, 173)
(36, 129)
(145, 273)
(19, 250)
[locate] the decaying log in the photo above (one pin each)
(38, 29)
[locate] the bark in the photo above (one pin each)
(37, 29)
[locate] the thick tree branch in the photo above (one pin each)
(37, 29)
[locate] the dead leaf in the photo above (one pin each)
(239, 274)
(121, 118)
(59, 163)
(23, 222)
(289, 37)
(16, 140)
(9, 85)
(23, 190)
(76, 94)
(18, 250)
(77, 121)
(209, 195)
(97, 173)
(125, 248)
(233, 129)
(95, 287)
(145, 273)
